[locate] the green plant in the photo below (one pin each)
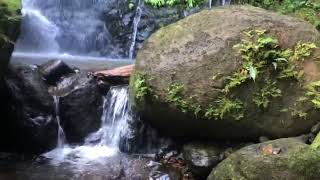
(262, 98)
(313, 93)
(140, 86)
(223, 107)
(162, 3)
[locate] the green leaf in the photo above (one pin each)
(253, 72)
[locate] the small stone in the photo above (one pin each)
(263, 139)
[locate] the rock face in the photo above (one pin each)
(183, 70)
(9, 28)
(32, 110)
(120, 18)
(53, 70)
(80, 104)
(201, 158)
(278, 159)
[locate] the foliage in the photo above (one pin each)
(305, 9)
(313, 93)
(225, 107)
(140, 86)
(162, 3)
(175, 95)
(265, 63)
(9, 16)
(262, 98)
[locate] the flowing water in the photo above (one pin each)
(136, 22)
(61, 136)
(99, 158)
(102, 143)
(71, 28)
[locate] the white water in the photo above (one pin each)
(103, 143)
(74, 27)
(136, 22)
(61, 136)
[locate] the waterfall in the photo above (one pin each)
(61, 136)
(136, 21)
(74, 27)
(106, 141)
(114, 121)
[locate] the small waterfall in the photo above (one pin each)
(114, 119)
(136, 21)
(103, 143)
(61, 136)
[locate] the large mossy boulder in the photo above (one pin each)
(235, 72)
(279, 159)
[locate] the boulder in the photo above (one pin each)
(80, 105)
(201, 158)
(9, 31)
(279, 159)
(54, 70)
(31, 110)
(184, 71)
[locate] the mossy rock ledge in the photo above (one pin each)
(183, 70)
(281, 159)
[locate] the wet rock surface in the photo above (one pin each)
(32, 109)
(54, 70)
(201, 157)
(80, 104)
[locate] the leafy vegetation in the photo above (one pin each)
(140, 85)
(305, 9)
(313, 93)
(169, 3)
(224, 107)
(175, 96)
(262, 98)
(9, 16)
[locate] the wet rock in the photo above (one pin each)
(195, 57)
(9, 28)
(201, 158)
(80, 104)
(54, 70)
(32, 109)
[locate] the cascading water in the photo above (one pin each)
(104, 142)
(63, 27)
(136, 22)
(61, 136)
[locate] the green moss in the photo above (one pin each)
(316, 143)
(11, 5)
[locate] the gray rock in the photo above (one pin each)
(201, 158)
(194, 50)
(54, 70)
(80, 104)
(32, 109)
(278, 159)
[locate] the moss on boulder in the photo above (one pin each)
(9, 29)
(279, 159)
(188, 65)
